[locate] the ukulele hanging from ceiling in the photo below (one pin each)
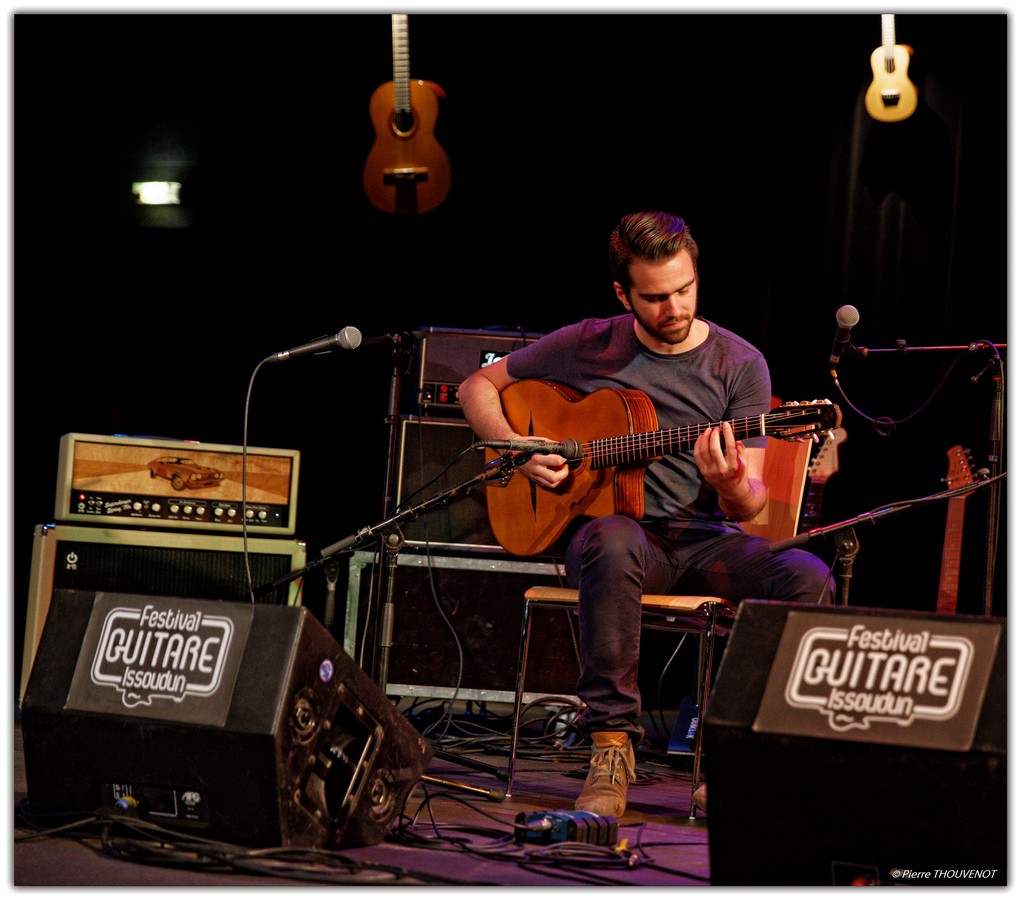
(891, 97)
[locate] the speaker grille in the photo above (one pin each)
(428, 447)
(207, 567)
(170, 571)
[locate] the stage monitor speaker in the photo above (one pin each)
(858, 746)
(235, 722)
(203, 566)
(428, 447)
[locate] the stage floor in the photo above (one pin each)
(444, 837)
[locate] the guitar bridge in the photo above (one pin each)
(408, 173)
(890, 97)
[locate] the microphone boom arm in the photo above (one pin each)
(846, 541)
(499, 469)
(873, 516)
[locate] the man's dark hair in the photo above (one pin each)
(651, 237)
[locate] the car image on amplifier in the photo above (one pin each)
(184, 473)
(164, 483)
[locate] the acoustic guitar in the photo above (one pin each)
(891, 96)
(619, 435)
(823, 466)
(959, 473)
(407, 171)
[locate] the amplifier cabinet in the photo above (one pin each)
(457, 626)
(428, 448)
(203, 566)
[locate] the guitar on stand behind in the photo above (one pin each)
(959, 473)
(823, 466)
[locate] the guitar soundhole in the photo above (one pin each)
(403, 122)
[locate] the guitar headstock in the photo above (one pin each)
(825, 462)
(797, 420)
(959, 470)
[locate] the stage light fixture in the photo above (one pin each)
(157, 193)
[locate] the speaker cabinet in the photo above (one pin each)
(457, 626)
(204, 566)
(238, 722)
(431, 462)
(858, 746)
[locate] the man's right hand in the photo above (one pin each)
(546, 469)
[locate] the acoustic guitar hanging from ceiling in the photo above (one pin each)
(407, 171)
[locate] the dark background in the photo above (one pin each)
(752, 127)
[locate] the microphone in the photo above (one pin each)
(345, 339)
(569, 449)
(847, 318)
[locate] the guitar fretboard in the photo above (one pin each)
(402, 63)
(633, 448)
(958, 475)
(889, 41)
(950, 569)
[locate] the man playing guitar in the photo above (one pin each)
(681, 535)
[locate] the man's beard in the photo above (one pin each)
(677, 334)
(673, 333)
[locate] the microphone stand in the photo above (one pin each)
(994, 456)
(403, 351)
(389, 532)
(392, 538)
(846, 540)
(995, 459)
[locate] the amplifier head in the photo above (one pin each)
(164, 483)
(450, 355)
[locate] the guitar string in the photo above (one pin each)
(610, 451)
(889, 41)
(402, 86)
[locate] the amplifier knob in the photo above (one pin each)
(200, 511)
(218, 512)
(156, 507)
(187, 509)
(136, 506)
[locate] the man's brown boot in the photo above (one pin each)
(698, 797)
(611, 770)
